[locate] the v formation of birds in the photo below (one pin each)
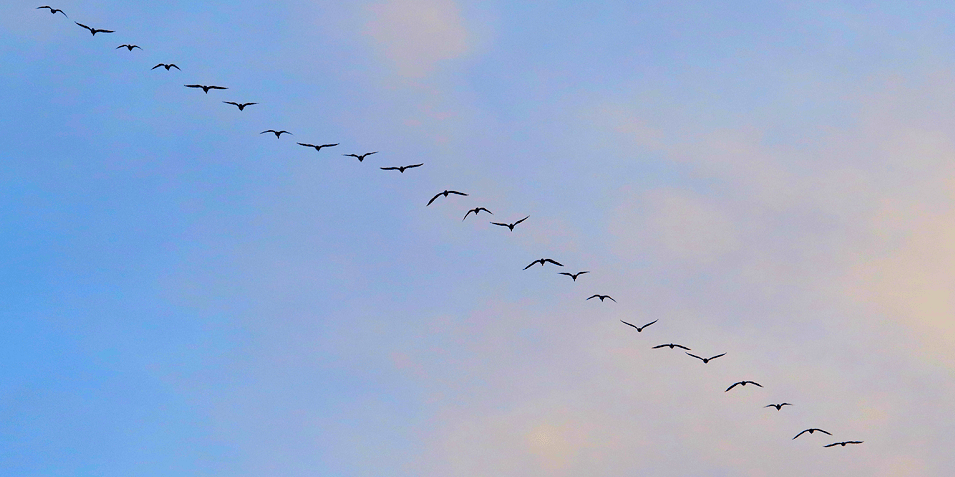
(476, 211)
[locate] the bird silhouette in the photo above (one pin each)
(706, 360)
(779, 406)
(843, 443)
(401, 169)
(671, 346)
(52, 10)
(602, 297)
(165, 65)
(205, 89)
(277, 133)
(317, 147)
(811, 431)
(360, 157)
(542, 261)
(445, 193)
(741, 383)
(511, 226)
(574, 275)
(241, 106)
(130, 47)
(639, 328)
(476, 211)
(94, 31)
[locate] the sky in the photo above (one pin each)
(770, 180)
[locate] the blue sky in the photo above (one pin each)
(183, 295)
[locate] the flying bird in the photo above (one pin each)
(52, 10)
(205, 89)
(741, 383)
(165, 65)
(843, 443)
(542, 261)
(602, 297)
(707, 360)
(130, 48)
(476, 211)
(779, 406)
(318, 147)
(511, 226)
(94, 31)
(639, 328)
(277, 133)
(401, 169)
(573, 275)
(671, 346)
(241, 106)
(360, 157)
(445, 193)
(811, 431)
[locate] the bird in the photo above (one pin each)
(639, 328)
(476, 211)
(130, 48)
(445, 193)
(241, 106)
(811, 431)
(602, 297)
(778, 406)
(741, 383)
(671, 345)
(205, 89)
(843, 443)
(706, 360)
(52, 10)
(165, 65)
(511, 226)
(574, 275)
(542, 261)
(277, 133)
(317, 148)
(401, 169)
(94, 31)
(361, 157)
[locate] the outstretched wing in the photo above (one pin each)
(502, 225)
(595, 296)
(531, 264)
(84, 26)
(650, 323)
(231, 102)
(833, 444)
(824, 432)
(193, 85)
(754, 382)
(356, 156)
(682, 347)
(611, 298)
(303, 144)
(629, 324)
(328, 145)
(465, 215)
(731, 387)
(430, 201)
(216, 87)
(482, 208)
(717, 356)
(414, 165)
(695, 356)
(172, 65)
(571, 275)
(157, 66)
(390, 169)
(555, 263)
(456, 192)
(660, 346)
(854, 442)
(519, 221)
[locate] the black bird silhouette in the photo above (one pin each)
(94, 31)
(602, 297)
(205, 89)
(318, 147)
(811, 431)
(707, 360)
(778, 406)
(542, 261)
(574, 275)
(52, 10)
(671, 346)
(843, 443)
(277, 133)
(445, 193)
(511, 226)
(241, 106)
(130, 48)
(741, 383)
(639, 328)
(360, 157)
(476, 211)
(165, 65)
(401, 169)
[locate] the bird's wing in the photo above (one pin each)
(833, 444)
(172, 65)
(105, 31)
(389, 168)
(683, 347)
(120, 46)
(566, 273)
(854, 442)
(519, 221)
(650, 323)
(824, 432)
(532, 264)
(611, 298)
(717, 356)
(157, 66)
(432, 199)
(193, 85)
(695, 356)
(595, 296)
(328, 145)
(754, 382)
(785, 404)
(801, 433)
(498, 223)
(552, 261)
(456, 192)
(467, 214)
(249, 104)
(414, 165)
(660, 346)
(231, 102)
(356, 155)
(370, 153)
(217, 87)
(134, 46)
(628, 324)
(306, 145)
(488, 211)
(45, 6)
(84, 26)
(581, 273)
(731, 387)
(770, 405)
(269, 130)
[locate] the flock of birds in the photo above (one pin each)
(476, 211)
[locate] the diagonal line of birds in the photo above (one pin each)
(476, 211)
